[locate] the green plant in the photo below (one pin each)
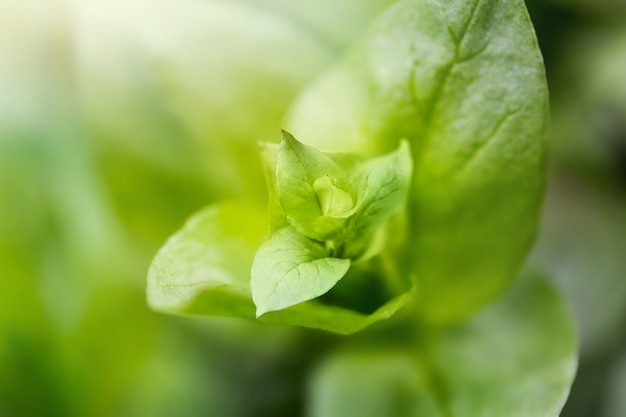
(453, 96)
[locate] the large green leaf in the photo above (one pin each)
(205, 267)
(516, 359)
(464, 83)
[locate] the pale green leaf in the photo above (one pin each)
(298, 168)
(289, 269)
(385, 184)
(464, 83)
(516, 359)
(333, 201)
(269, 159)
(205, 267)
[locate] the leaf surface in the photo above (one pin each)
(298, 169)
(385, 184)
(289, 269)
(516, 359)
(205, 267)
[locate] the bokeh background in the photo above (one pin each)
(119, 119)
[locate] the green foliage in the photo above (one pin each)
(431, 75)
(410, 202)
(414, 194)
(510, 360)
(205, 267)
(330, 213)
(210, 267)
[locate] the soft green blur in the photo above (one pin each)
(119, 119)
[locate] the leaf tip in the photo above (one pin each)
(286, 136)
(260, 311)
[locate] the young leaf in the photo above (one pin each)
(298, 169)
(464, 83)
(385, 186)
(333, 201)
(289, 269)
(516, 359)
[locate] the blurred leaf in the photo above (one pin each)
(205, 267)
(516, 359)
(582, 236)
(464, 83)
(372, 384)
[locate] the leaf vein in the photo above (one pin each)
(488, 140)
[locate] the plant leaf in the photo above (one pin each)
(464, 83)
(386, 181)
(298, 168)
(289, 269)
(205, 267)
(333, 201)
(269, 159)
(516, 359)
(335, 319)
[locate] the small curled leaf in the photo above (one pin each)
(333, 201)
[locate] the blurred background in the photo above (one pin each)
(119, 119)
